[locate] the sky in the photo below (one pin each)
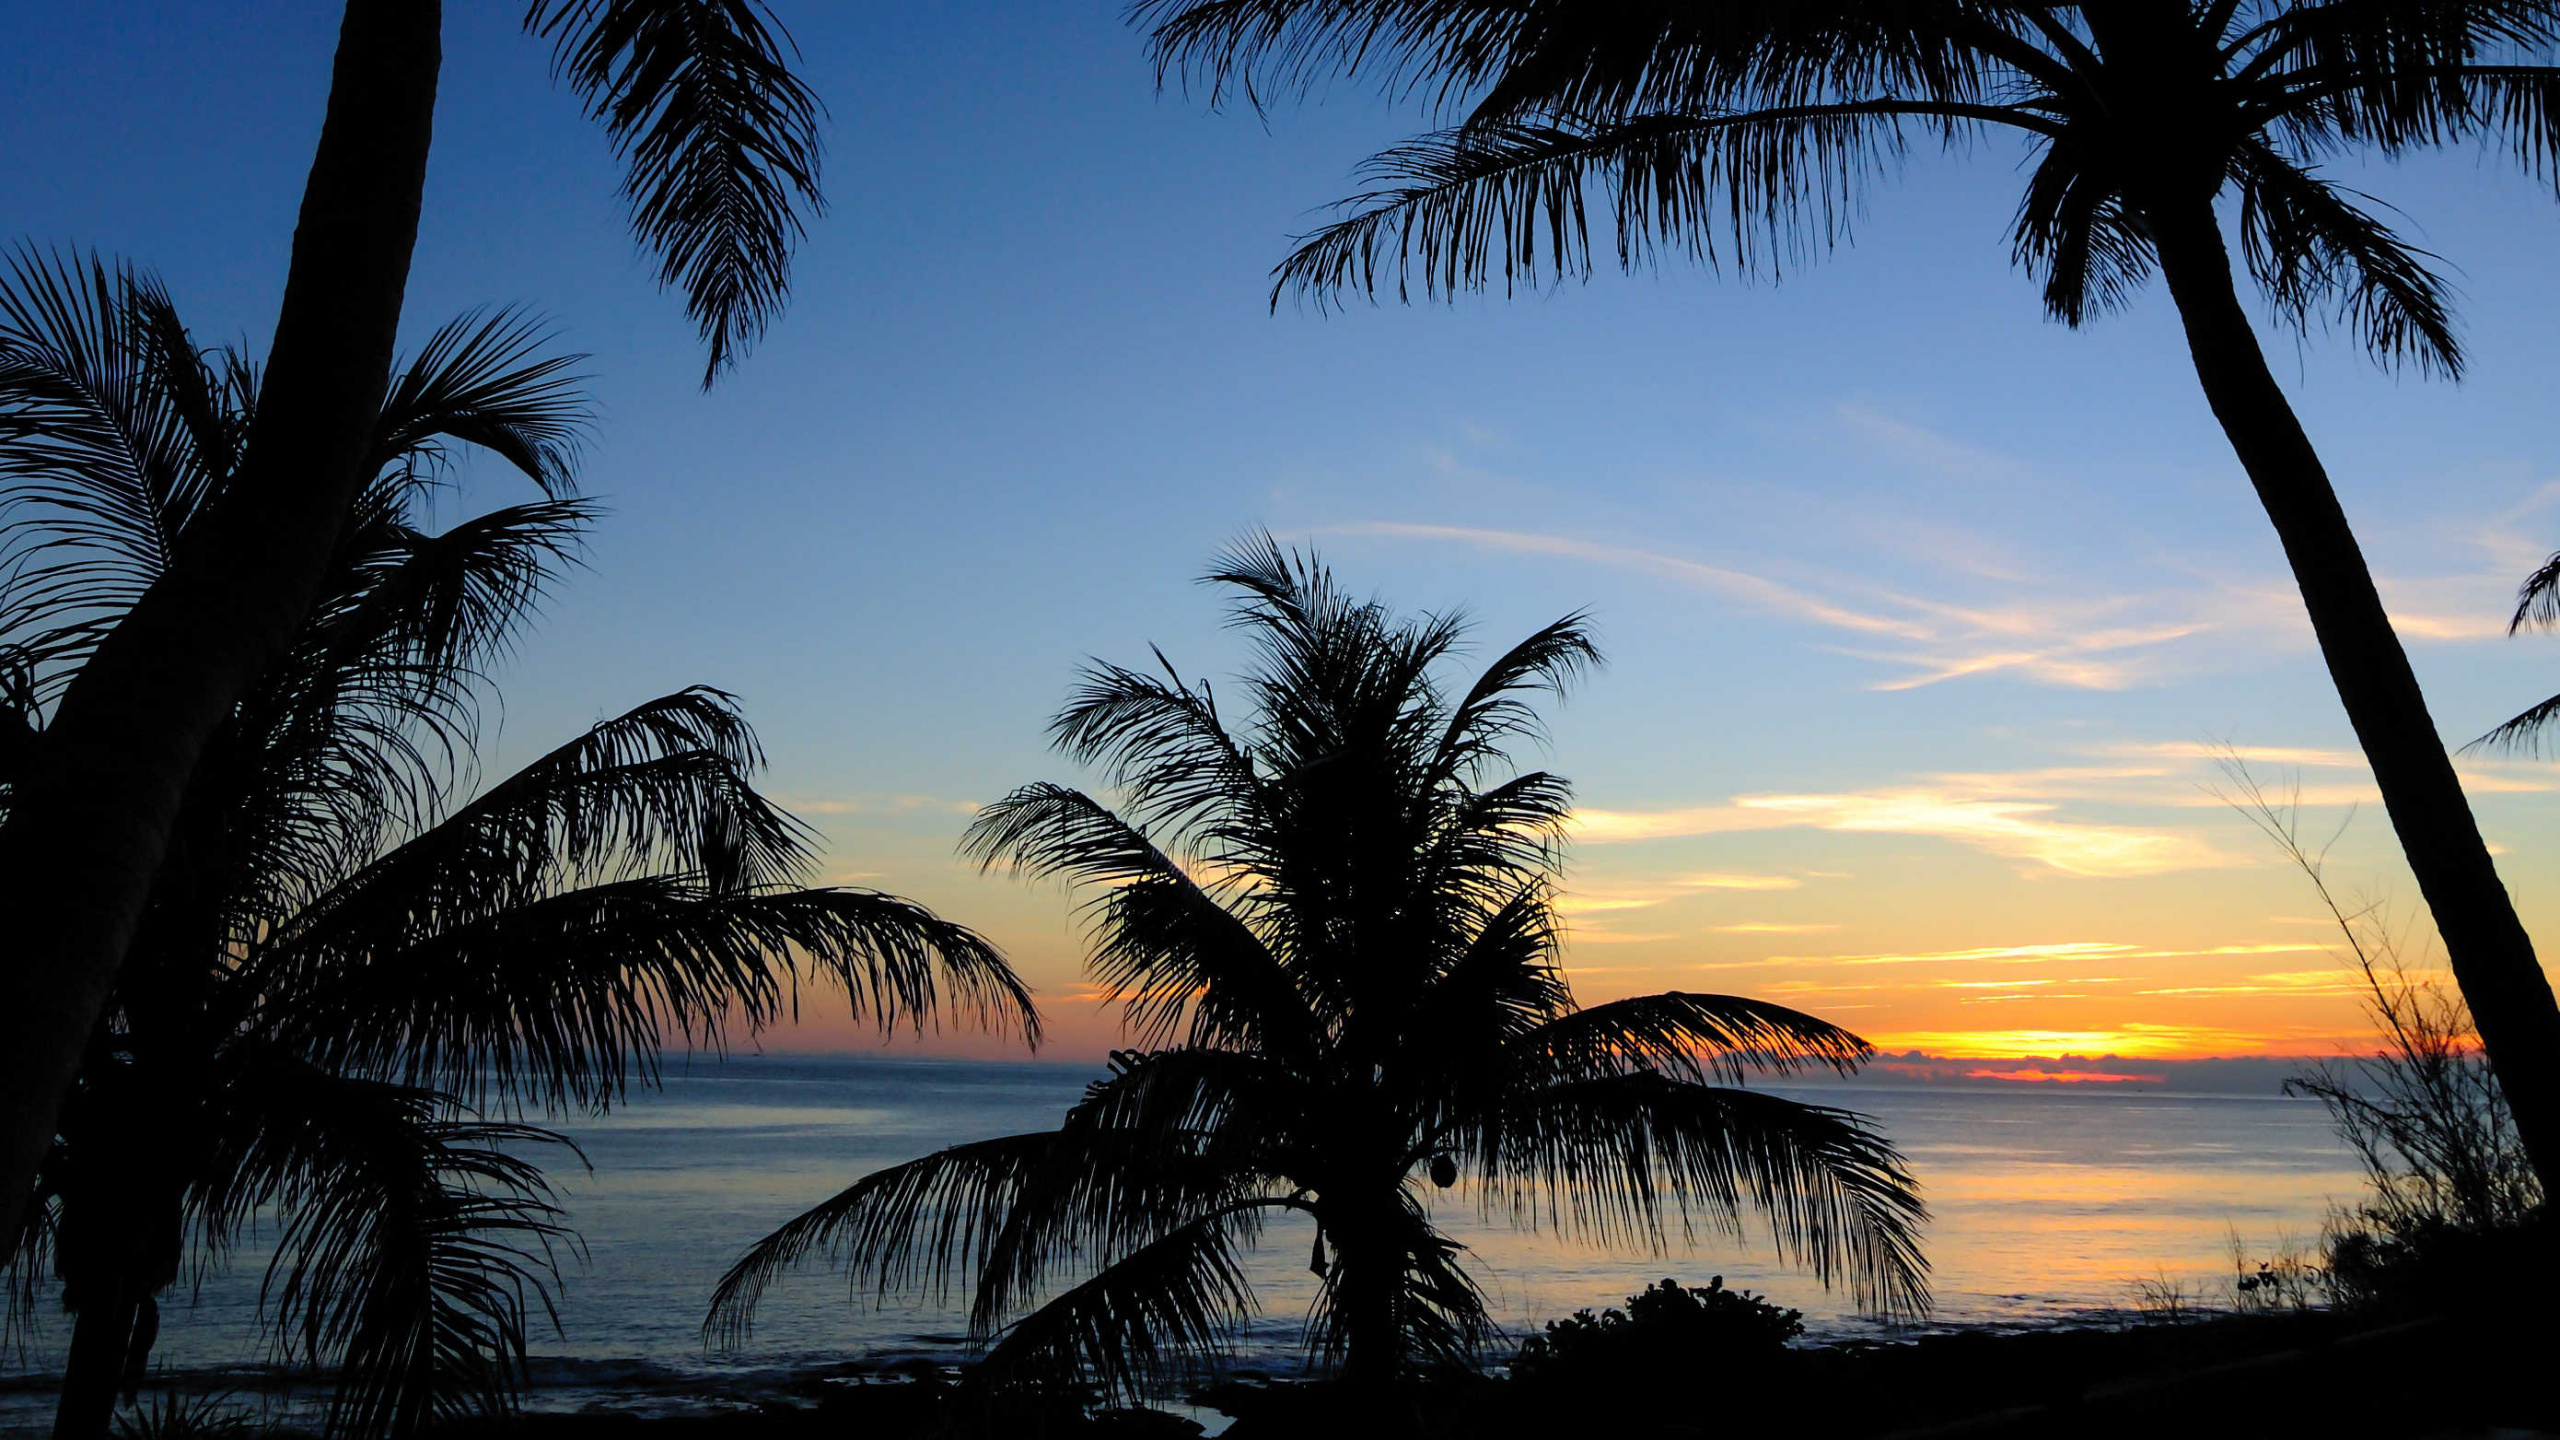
(1927, 619)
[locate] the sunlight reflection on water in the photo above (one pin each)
(2047, 1204)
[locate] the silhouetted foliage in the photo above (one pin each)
(2449, 1188)
(1748, 136)
(1664, 1329)
(720, 141)
(718, 138)
(1334, 925)
(2537, 605)
(348, 952)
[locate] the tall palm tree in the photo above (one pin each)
(339, 969)
(1746, 133)
(1334, 933)
(719, 140)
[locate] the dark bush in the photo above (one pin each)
(1666, 1326)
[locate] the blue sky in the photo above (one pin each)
(1920, 608)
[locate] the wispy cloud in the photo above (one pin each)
(1645, 894)
(1585, 904)
(2023, 829)
(1774, 927)
(1757, 590)
(1979, 612)
(2056, 639)
(1719, 881)
(2254, 754)
(2005, 954)
(2045, 953)
(1922, 446)
(2291, 983)
(2480, 776)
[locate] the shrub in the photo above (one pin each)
(2452, 1208)
(1665, 1325)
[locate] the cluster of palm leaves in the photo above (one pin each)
(1746, 134)
(1334, 930)
(718, 140)
(354, 956)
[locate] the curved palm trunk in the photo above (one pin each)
(2492, 956)
(88, 829)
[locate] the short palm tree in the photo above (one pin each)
(719, 141)
(1334, 932)
(340, 970)
(1747, 133)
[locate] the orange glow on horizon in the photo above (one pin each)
(2133, 1040)
(2066, 1077)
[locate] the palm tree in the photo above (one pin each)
(340, 971)
(719, 139)
(2538, 605)
(1746, 134)
(1334, 934)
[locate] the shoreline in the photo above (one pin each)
(563, 1390)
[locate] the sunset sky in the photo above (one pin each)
(1926, 618)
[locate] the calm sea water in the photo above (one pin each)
(2049, 1205)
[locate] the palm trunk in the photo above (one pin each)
(2492, 957)
(1371, 1275)
(86, 833)
(93, 1375)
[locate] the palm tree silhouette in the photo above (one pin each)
(339, 969)
(1744, 134)
(1334, 932)
(719, 141)
(2538, 605)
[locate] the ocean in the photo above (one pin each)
(2050, 1204)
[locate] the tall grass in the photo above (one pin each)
(2447, 1182)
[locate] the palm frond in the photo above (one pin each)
(26, 1264)
(2523, 733)
(2309, 246)
(1464, 209)
(920, 1224)
(1262, 49)
(1490, 843)
(662, 788)
(447, 601)
(1617, 1158)
(2522, 103)
(100, 466)
(2538, 598)
(1167, 950)
(1503, 986)
(721, 139)
(1493, 712)
(1440, 1314)
(2075, 228)
(413, 1247)
(1177, 1299)
(2537, 603)
(369, 720)
(559, 1001)
(1162, 744)
(1696, 1037)
(1166, 1138)
(483, 380)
